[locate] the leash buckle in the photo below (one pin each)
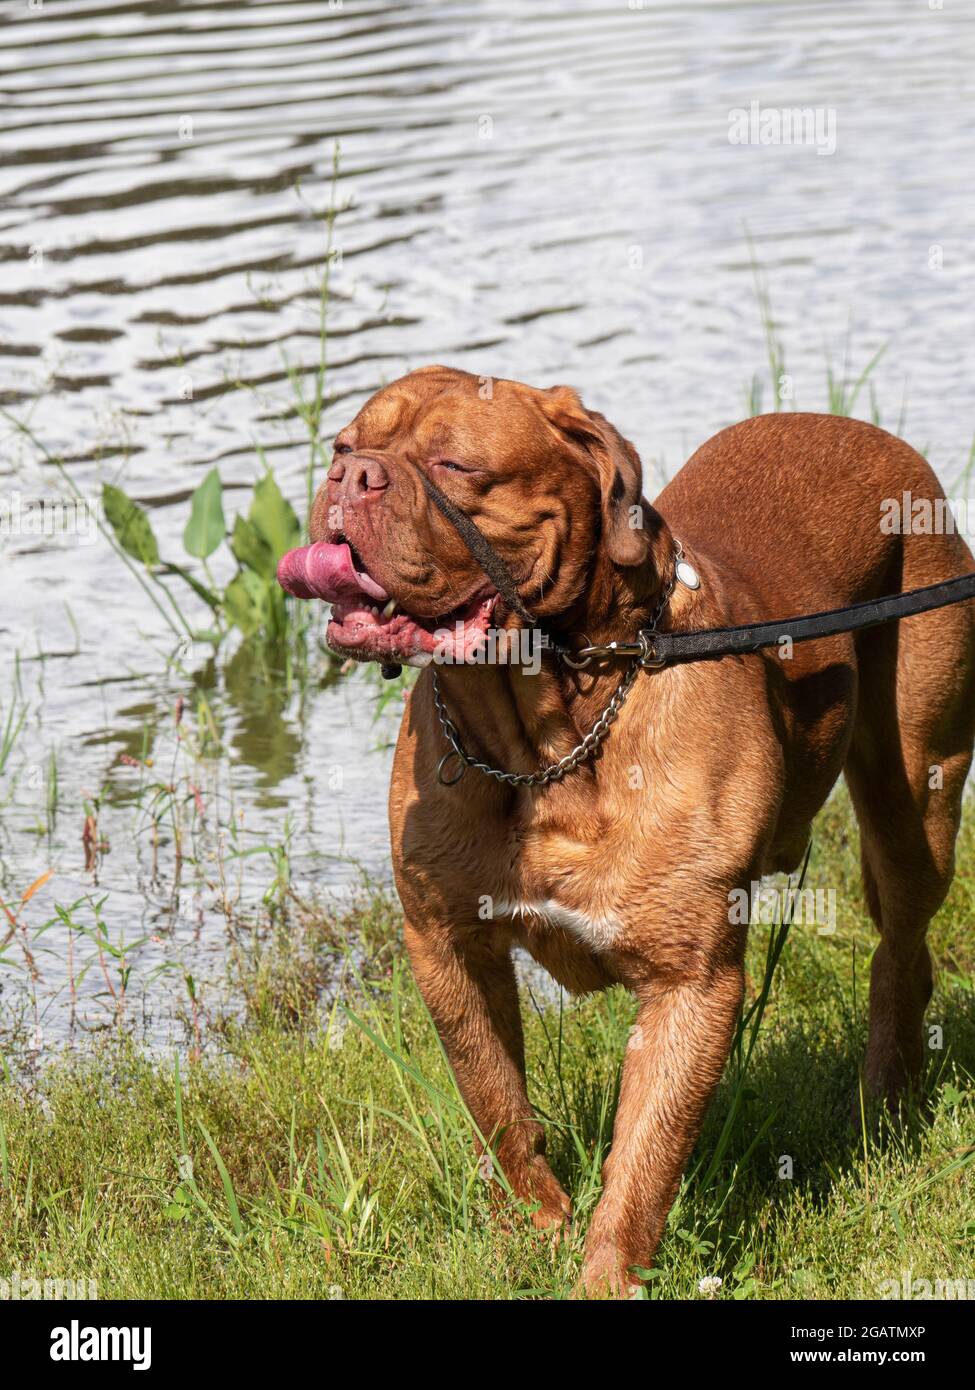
(649, 659)
(581, 659)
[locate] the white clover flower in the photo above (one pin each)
(709, 1285)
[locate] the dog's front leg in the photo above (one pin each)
(674, 1058)
(468, 984)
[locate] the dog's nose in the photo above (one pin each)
(355, 479)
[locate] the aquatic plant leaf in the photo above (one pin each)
(251, 550)
(201, 590)
(130, 524)
(245, 601)
(274, 517)
(206, 527)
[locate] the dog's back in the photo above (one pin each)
(816, 511)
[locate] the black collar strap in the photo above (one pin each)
(479, 546)
(485, 555)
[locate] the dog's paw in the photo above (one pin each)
(607, 1274)
(557, 1219)
(539, 1196)
(552, 1209)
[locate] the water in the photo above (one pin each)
(544, 192)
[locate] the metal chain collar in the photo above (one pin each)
(555, 771)
(643, 656)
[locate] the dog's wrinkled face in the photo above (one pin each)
(549, 484)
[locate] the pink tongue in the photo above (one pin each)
(326, 571)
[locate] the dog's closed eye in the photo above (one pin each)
(452, 466)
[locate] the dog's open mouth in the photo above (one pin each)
(368, 624)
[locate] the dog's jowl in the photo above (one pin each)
(603, 816)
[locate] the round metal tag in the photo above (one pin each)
(688, 575)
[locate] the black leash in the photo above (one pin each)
(729, 641)
(654, 649)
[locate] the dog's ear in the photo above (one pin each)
(618, 469)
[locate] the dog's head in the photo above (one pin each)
(552, 486)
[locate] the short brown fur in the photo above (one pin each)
(710, 777)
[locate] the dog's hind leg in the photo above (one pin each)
(906, 770)
(468, 984)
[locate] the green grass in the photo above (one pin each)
(320, 1149)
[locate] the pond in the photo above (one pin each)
(544, 192)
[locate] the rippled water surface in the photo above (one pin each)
(546, 192)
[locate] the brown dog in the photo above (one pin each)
(711, 775)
